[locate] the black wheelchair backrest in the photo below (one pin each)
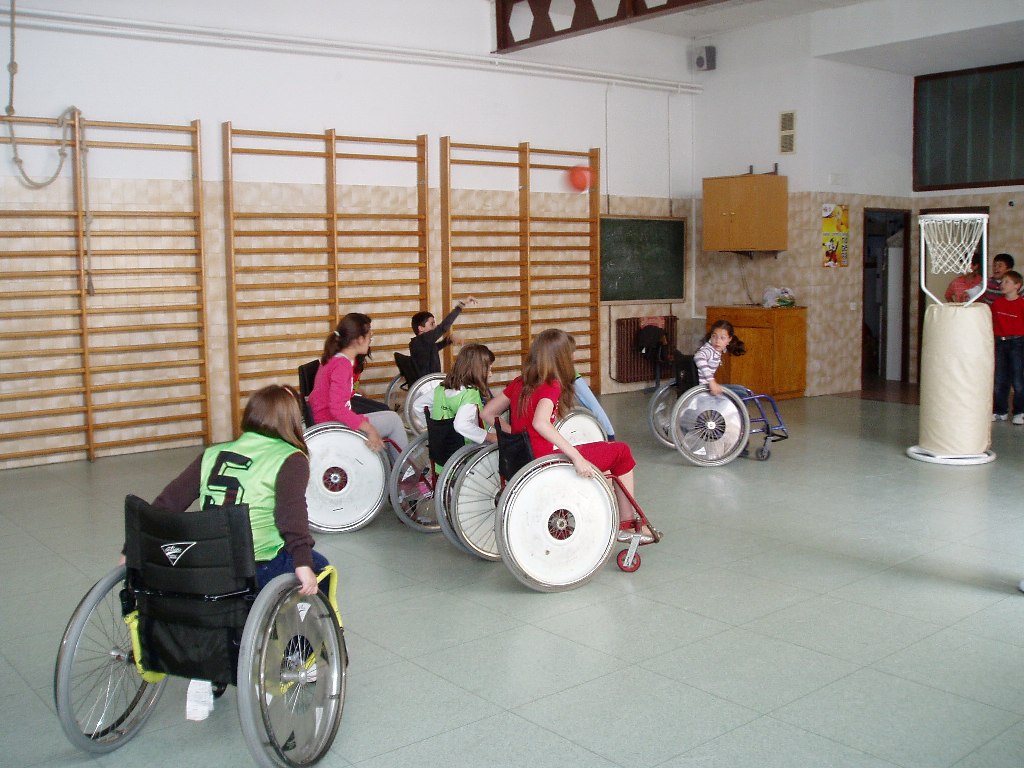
(307, 376)
(686, 372)
(192, 578)
(514, 451)
(207, 552)
(442, 439)
(407, 368)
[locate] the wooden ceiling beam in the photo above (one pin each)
(525, 23)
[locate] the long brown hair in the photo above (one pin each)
(550, 359)
(350, 327)
(470, 369)
(274, 411)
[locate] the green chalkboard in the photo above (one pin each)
(642, 259)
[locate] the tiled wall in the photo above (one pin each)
(834, 329)
(833, 296)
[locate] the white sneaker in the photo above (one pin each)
(199, 700)
(1018, 419)
(1021, 586)
(998, 417)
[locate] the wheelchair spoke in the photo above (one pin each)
(101, 699)
(475, 504)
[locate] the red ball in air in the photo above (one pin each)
(579, 178)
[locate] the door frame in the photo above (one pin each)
(905, 298)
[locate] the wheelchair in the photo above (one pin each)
(468, 488)
(186, 604)
(555, 530)
(710, 430)
(398, 387)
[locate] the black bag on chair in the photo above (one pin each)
(514, 451)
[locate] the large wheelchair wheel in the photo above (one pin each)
(101, 699)
(421, 395)
(710, 430)
(291, 676)
(347, 481)
(580, 426)
(659, 414)
(444, 493)
(412, 496)
(555, 530)
(394, 395)
(474, 503)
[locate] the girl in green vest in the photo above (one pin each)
(462, 393)
(266, 467)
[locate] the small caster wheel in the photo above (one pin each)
(763, 454)
(621, 560)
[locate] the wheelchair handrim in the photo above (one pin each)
(286, 640)
(709, 430)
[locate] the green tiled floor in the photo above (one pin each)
(837, 605)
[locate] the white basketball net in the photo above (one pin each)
(949, 240)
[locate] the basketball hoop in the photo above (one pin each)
(956, 348)
(948, 242)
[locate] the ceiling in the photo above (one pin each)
(980, 47)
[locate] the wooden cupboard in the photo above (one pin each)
(776, 340)
(746, 213)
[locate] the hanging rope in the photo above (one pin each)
(65, 123)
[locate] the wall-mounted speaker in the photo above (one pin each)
(702, 58)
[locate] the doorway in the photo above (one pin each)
(885, 353)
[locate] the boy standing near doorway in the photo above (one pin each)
(1008, 326)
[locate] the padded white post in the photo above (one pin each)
(957, 362)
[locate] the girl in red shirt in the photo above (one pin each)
(544, 392)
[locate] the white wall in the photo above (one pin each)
(853, 125)
(869, 25)
(300, 67)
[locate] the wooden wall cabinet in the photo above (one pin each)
(746, 213)
(776, 339)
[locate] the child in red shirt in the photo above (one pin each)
(543, 392)
(1008, 326)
